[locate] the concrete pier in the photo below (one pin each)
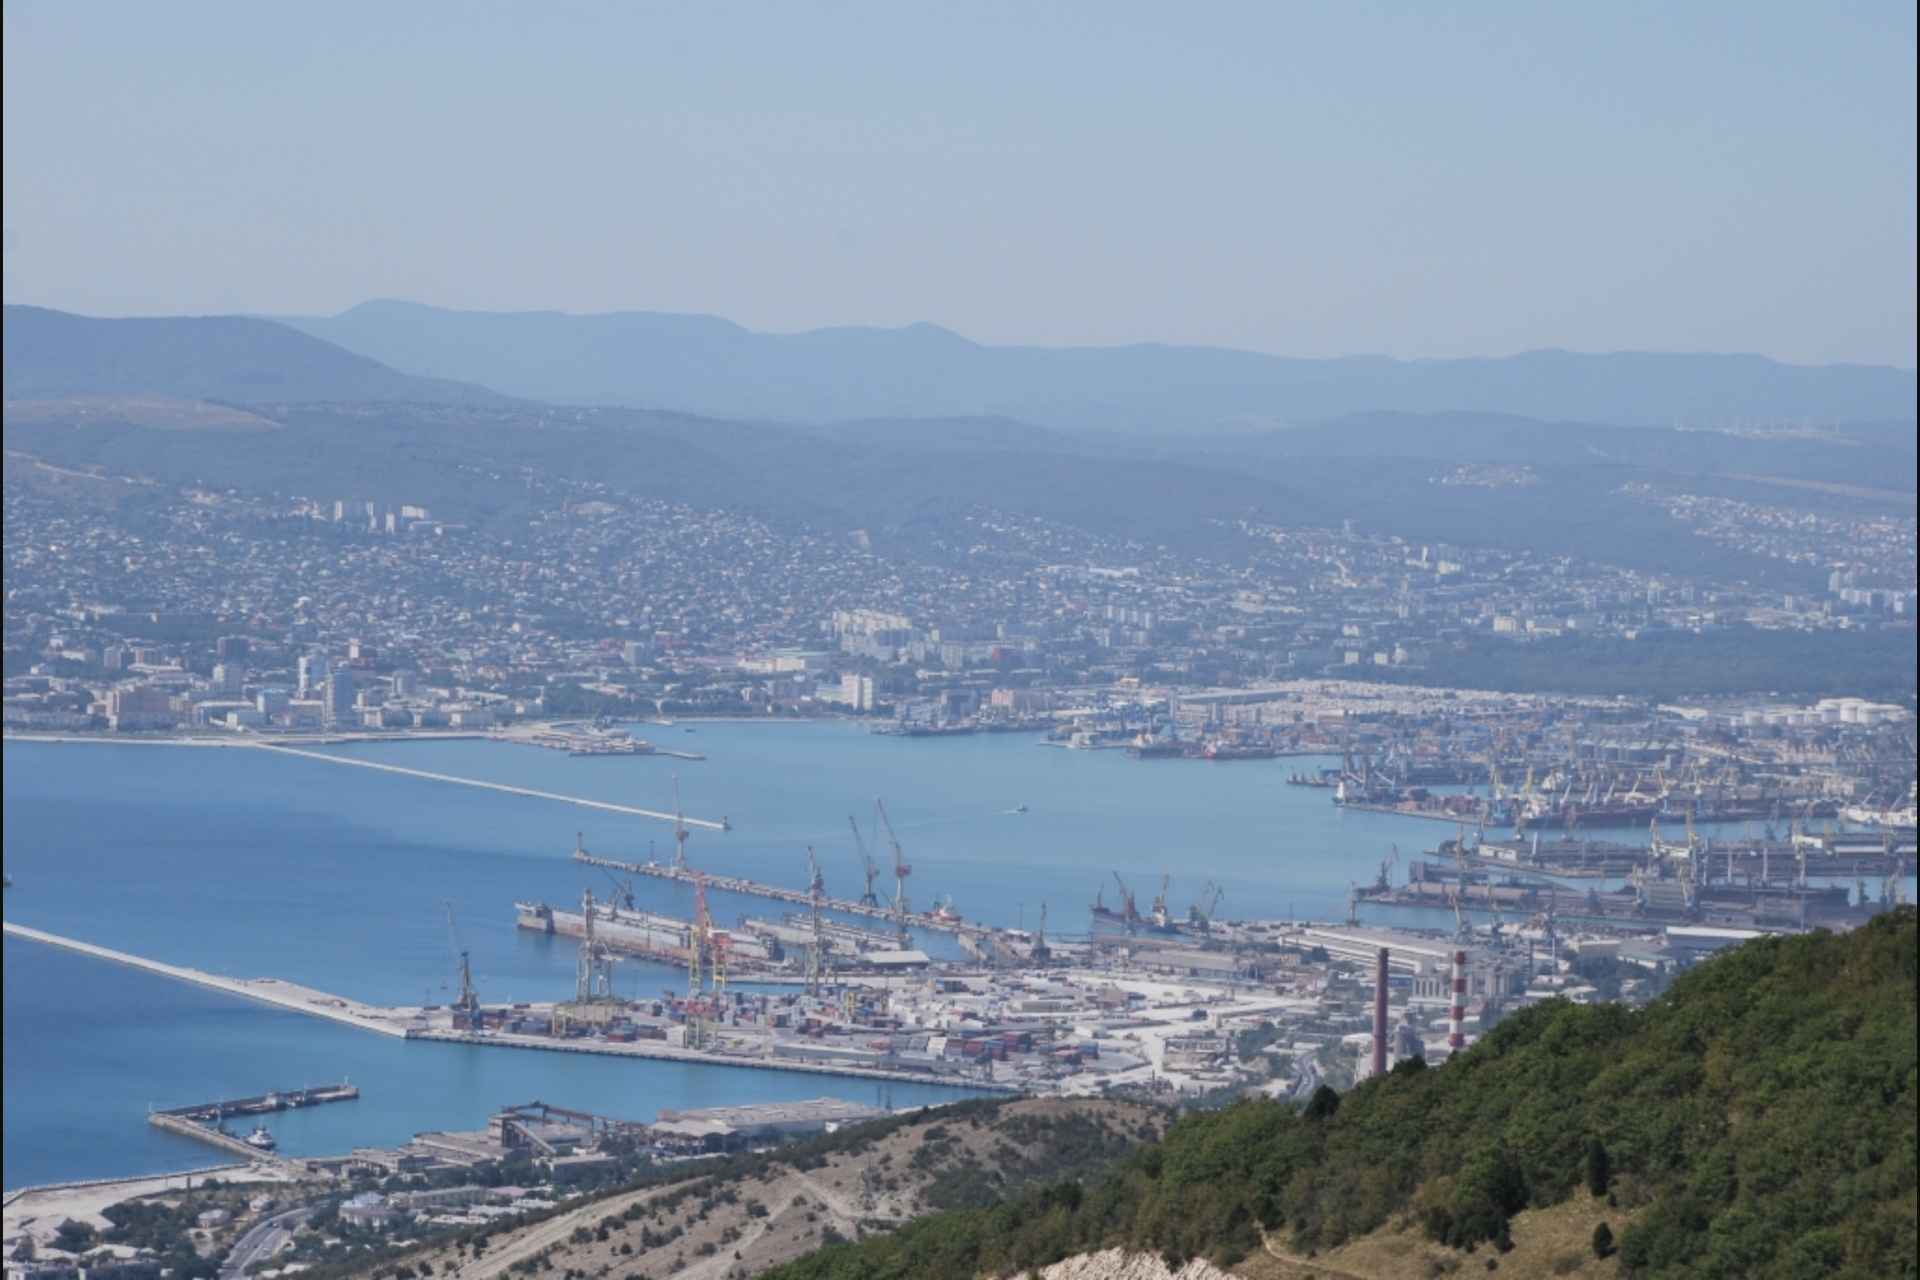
(778, 893)
(286, 995)
(201, 1133)
(493, 786)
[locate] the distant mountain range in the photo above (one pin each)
(395, 352)
(704, 365)
(232, 359)
(130, 396)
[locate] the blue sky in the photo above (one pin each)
(1313, 180)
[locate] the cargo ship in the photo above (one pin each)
(1236, 751)
(1129, 918)
(1106, 915)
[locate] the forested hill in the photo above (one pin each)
(1757, 1121)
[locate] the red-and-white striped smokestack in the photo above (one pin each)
(1380, 1013)
(1457, 1015)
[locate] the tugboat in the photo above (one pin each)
(261, 1140)
(944, 912)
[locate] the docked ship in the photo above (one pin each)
(1106, 915)
(635, 932)
(1237, 751)
(1129, 918)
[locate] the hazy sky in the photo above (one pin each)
(1328, 179)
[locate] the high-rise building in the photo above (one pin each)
(857, 692)
(313, 673)
(228, 677)
(338, 699)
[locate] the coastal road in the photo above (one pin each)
(262, 1240)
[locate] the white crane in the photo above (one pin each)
(900, 871)
(867, 865)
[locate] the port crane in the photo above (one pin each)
(1039, 953)
(593, 1003)
(680, 832)
(469, 1001)
(817, 945)
(706, 945)
(1129, 913)
(1387, 865)
(1200, 914)
(867, 865)
(900, 871)
(1462, 930)
(1159, 914)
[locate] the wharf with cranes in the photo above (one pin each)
(1802, 880)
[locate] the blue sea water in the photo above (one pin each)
(249, 863)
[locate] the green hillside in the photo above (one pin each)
(1757, 1121)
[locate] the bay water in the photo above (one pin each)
(251, 863)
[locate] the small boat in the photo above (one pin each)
(1019, 808)
(260, 1139)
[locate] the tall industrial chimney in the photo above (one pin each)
(1380, 1013)
(1457, 1015)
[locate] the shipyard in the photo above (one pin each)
(1144, 995)
(1123, 994)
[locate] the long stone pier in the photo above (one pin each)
(286, 995)
(722, 825)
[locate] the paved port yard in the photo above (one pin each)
(1143, 1056)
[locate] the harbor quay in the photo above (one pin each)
(1149, 1003)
